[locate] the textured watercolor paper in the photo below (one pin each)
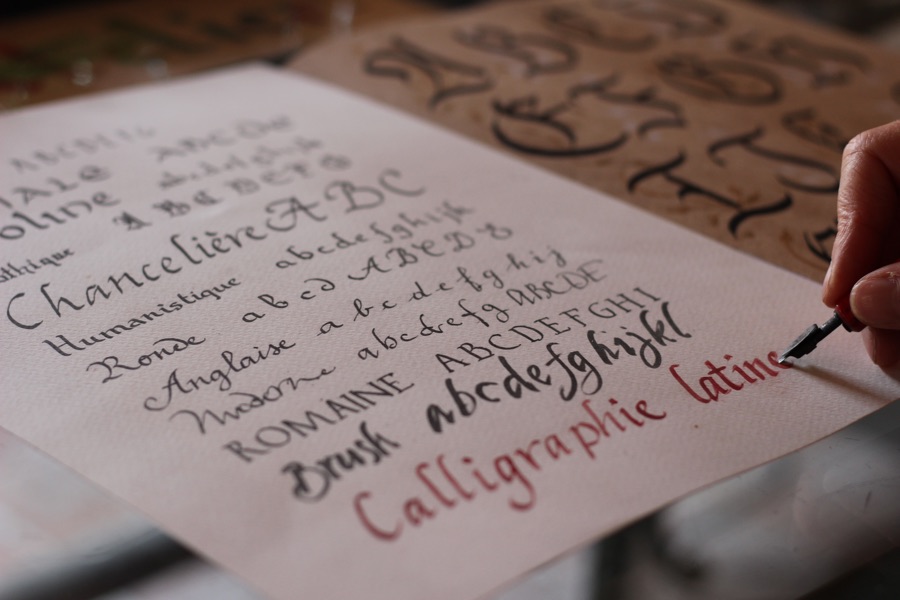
(341, 352)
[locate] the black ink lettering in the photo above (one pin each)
(539, 54)
(721, 80)
(447, 77)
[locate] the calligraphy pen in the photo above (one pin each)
(810, 338)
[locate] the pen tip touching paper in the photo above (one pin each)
(809, 339)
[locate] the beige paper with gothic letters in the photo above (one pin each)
(717, 115)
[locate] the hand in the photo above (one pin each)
(866, 254)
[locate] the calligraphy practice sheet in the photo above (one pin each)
(718, 115)
(346, 354)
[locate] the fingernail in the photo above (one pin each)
(826, 281)
(875, 300)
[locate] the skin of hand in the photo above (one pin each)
(866, 255)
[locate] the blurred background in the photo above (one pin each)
(58, 48)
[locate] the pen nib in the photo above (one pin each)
(809, 339)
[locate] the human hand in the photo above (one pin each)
(866, 255)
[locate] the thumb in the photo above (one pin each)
(875, 299)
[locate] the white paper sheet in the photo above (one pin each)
(203, 279)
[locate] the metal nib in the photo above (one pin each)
(809, 339)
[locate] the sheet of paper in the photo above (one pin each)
(344, 353)
(718, 115)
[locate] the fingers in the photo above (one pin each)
(868, 210)
(868, 238)
(883, 346)
(875, 299)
